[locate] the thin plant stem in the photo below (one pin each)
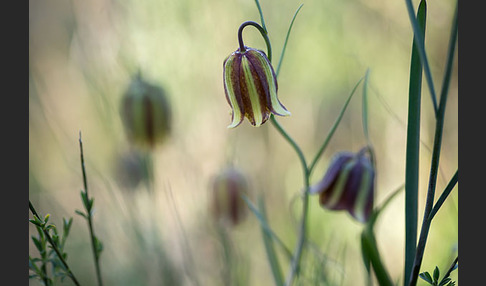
(261, 14)
(53, 245)
(183, 238)
(333, 129)
(89, 217)
(435, 156)
(261, 30)
(294, 264)
(279, 65)
(265, 227)
(453, 266)
(444, 195)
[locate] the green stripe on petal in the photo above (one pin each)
(276, 107)
(230, 90)
(338, 190)
(252, 92)
(363, 193)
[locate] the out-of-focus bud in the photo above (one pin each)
(146, 113)
(227, 206)
(251, 87)
(348, 185)
(130, 169)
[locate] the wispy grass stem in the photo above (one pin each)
(94, 242)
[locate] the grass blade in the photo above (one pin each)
(365, 107)
(413, 145)
(419, 42)
(372, 255)
(369, 249)
(286, 40)
(333, 129)
(434, 166)
(272, 256)
(265, 227)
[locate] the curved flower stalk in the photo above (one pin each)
(250, 85)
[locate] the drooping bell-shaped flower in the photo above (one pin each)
(227, 206)
(250, 85)
(145, 113)
(348, 185)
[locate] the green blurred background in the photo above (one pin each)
(82, 55)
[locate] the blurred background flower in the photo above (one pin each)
(82, 55)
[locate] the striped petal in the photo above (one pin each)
(348, 185)
(251, 87)
(232, 90)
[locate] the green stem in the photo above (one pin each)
(435, 156)
(261, 30)
(89, 217)
(453, 266)
(444, 195)
(53, 245)
(294, 264)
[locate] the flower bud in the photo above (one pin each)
(146, 113)
(348, 185)
(227, 206)
(251, 87)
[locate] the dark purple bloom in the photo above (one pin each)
(250, 87)
(348, 185)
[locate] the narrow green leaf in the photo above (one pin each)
(445, 281)
(91, 202)
(434, 165)
(366, 258)
(436, 274)
(377, 211)
(419, 43)
(371, 253)
(333, 129)
(413, 145)
(84, 199)
(426, 276)
(265, 227)
(66, 227)
(81, 213)
(271, 254)
(279, 65)
(365, 107)
(37, 244)
(36, 222)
